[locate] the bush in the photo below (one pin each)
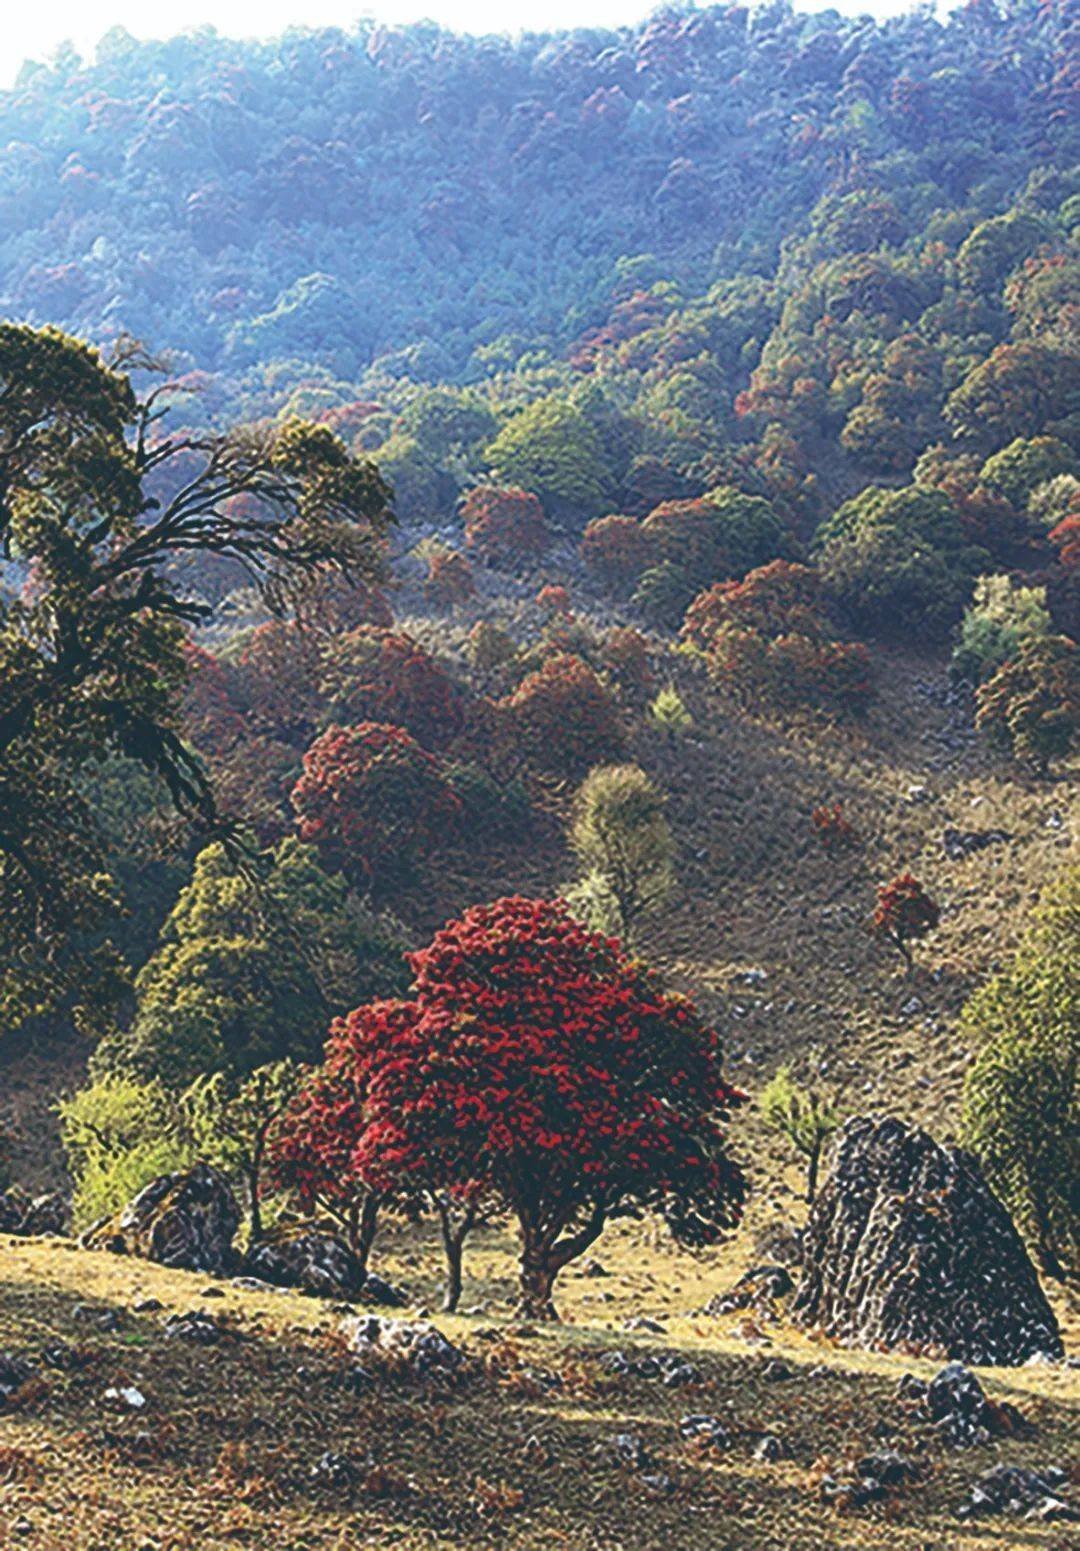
(489, 647)
(504, 525)
(1031, 706)
(554, 599)
(624, 652)
(832, 828)
(668, 713)
(372, 800)
(722, 534)
(118, 1134)
(562, 717)
(904, 913)
(767, 638)
(616, 549)
(662, 594)
(373, 675)
(1001, 618)
(488, 807)
(1021, 1113)
(450, 581)
(622, 840)
(804, 1115)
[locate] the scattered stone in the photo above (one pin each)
(630, 1451)
(769, 1447)
(187, 1220)
(15, 1371)
(958, 843)
(127, 1396)
(670, 1367)
(418, 1347)
(593, 1268)
(888, 1467)
(27, 1216)
(147, 1306)
(907, 1247)
(212, 1292)
(918, 793)
(705, 1429)
(642, 1322)
(956, 1403)
(63, 1357)
(757, 1288)
(1013, 1489)
(776, 1372)
(194, 1326)
(100, 1318)
(333, 1469)
(377, 1290)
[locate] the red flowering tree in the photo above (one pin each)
(312, 1154)
(385, 676)
(624, 652)
(562, 718)
(540, 1063)
(554, 599)
(832, 828)
(904, 912)
(370, 798)
(617, 550)
(504, 524)
(276, 681)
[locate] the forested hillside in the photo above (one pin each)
(539, 714)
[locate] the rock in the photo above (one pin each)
(196, 1327)
(907, 1247)
(127, 1397)
(418, 1347)
(100, 1318)
(147, 1306)
(630, 1452)
(1016, 1490)
(756, 1288)
(888, 1467)
(956, 1403)
(917, 793)
(187, 1220)
(958, 843)
(593, 1268)
(28, 1216)
(642, 1323)
(670, 1367)
(377, 1290)
(769, 1447)
(705, 1429)
(316, 1262)
(15, 1371)
(776, 1372)
(333, 1469)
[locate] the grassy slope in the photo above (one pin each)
(759, 892)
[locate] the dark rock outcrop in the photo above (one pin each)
(28, 1216)
(758, 1288)
(15, 1371)
(907, 1247)
(187, 1220)
(956, 1403)
(959, 843)
(319, 1263)
(1014, 1489)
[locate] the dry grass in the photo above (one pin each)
(518, 1456)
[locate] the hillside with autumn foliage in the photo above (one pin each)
(539, 725)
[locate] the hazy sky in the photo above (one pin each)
(31, 29)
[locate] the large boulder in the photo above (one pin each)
(319, 1263)
(907, 1247)
(187, 1220)
(27, 1215)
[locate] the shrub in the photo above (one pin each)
(554, 599)
(904, 913)
(1031, 706)
(766, 638)
(373, 675)
(832, 828)
(275, 680)
(804, 1115)
(118, 1134)
(1001, 618)
(624, 652)
(504, 525)
(622, 840)
(1021, 1113)
(539, 1063)
(722, 534)
(1015, 471)
(662, 594)
(371, 800)
(668, 712)
(231, 1124)
(488, 807)
(489, 647)
(616, 549)
(450, 581)
(551, 447)
(562, 717)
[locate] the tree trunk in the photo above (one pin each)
(362, 1226)
(812, 1173)
(452, 1287)
(254, 1206)
(537, 1277)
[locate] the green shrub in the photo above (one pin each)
(118, 1134)
(1000, 619)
